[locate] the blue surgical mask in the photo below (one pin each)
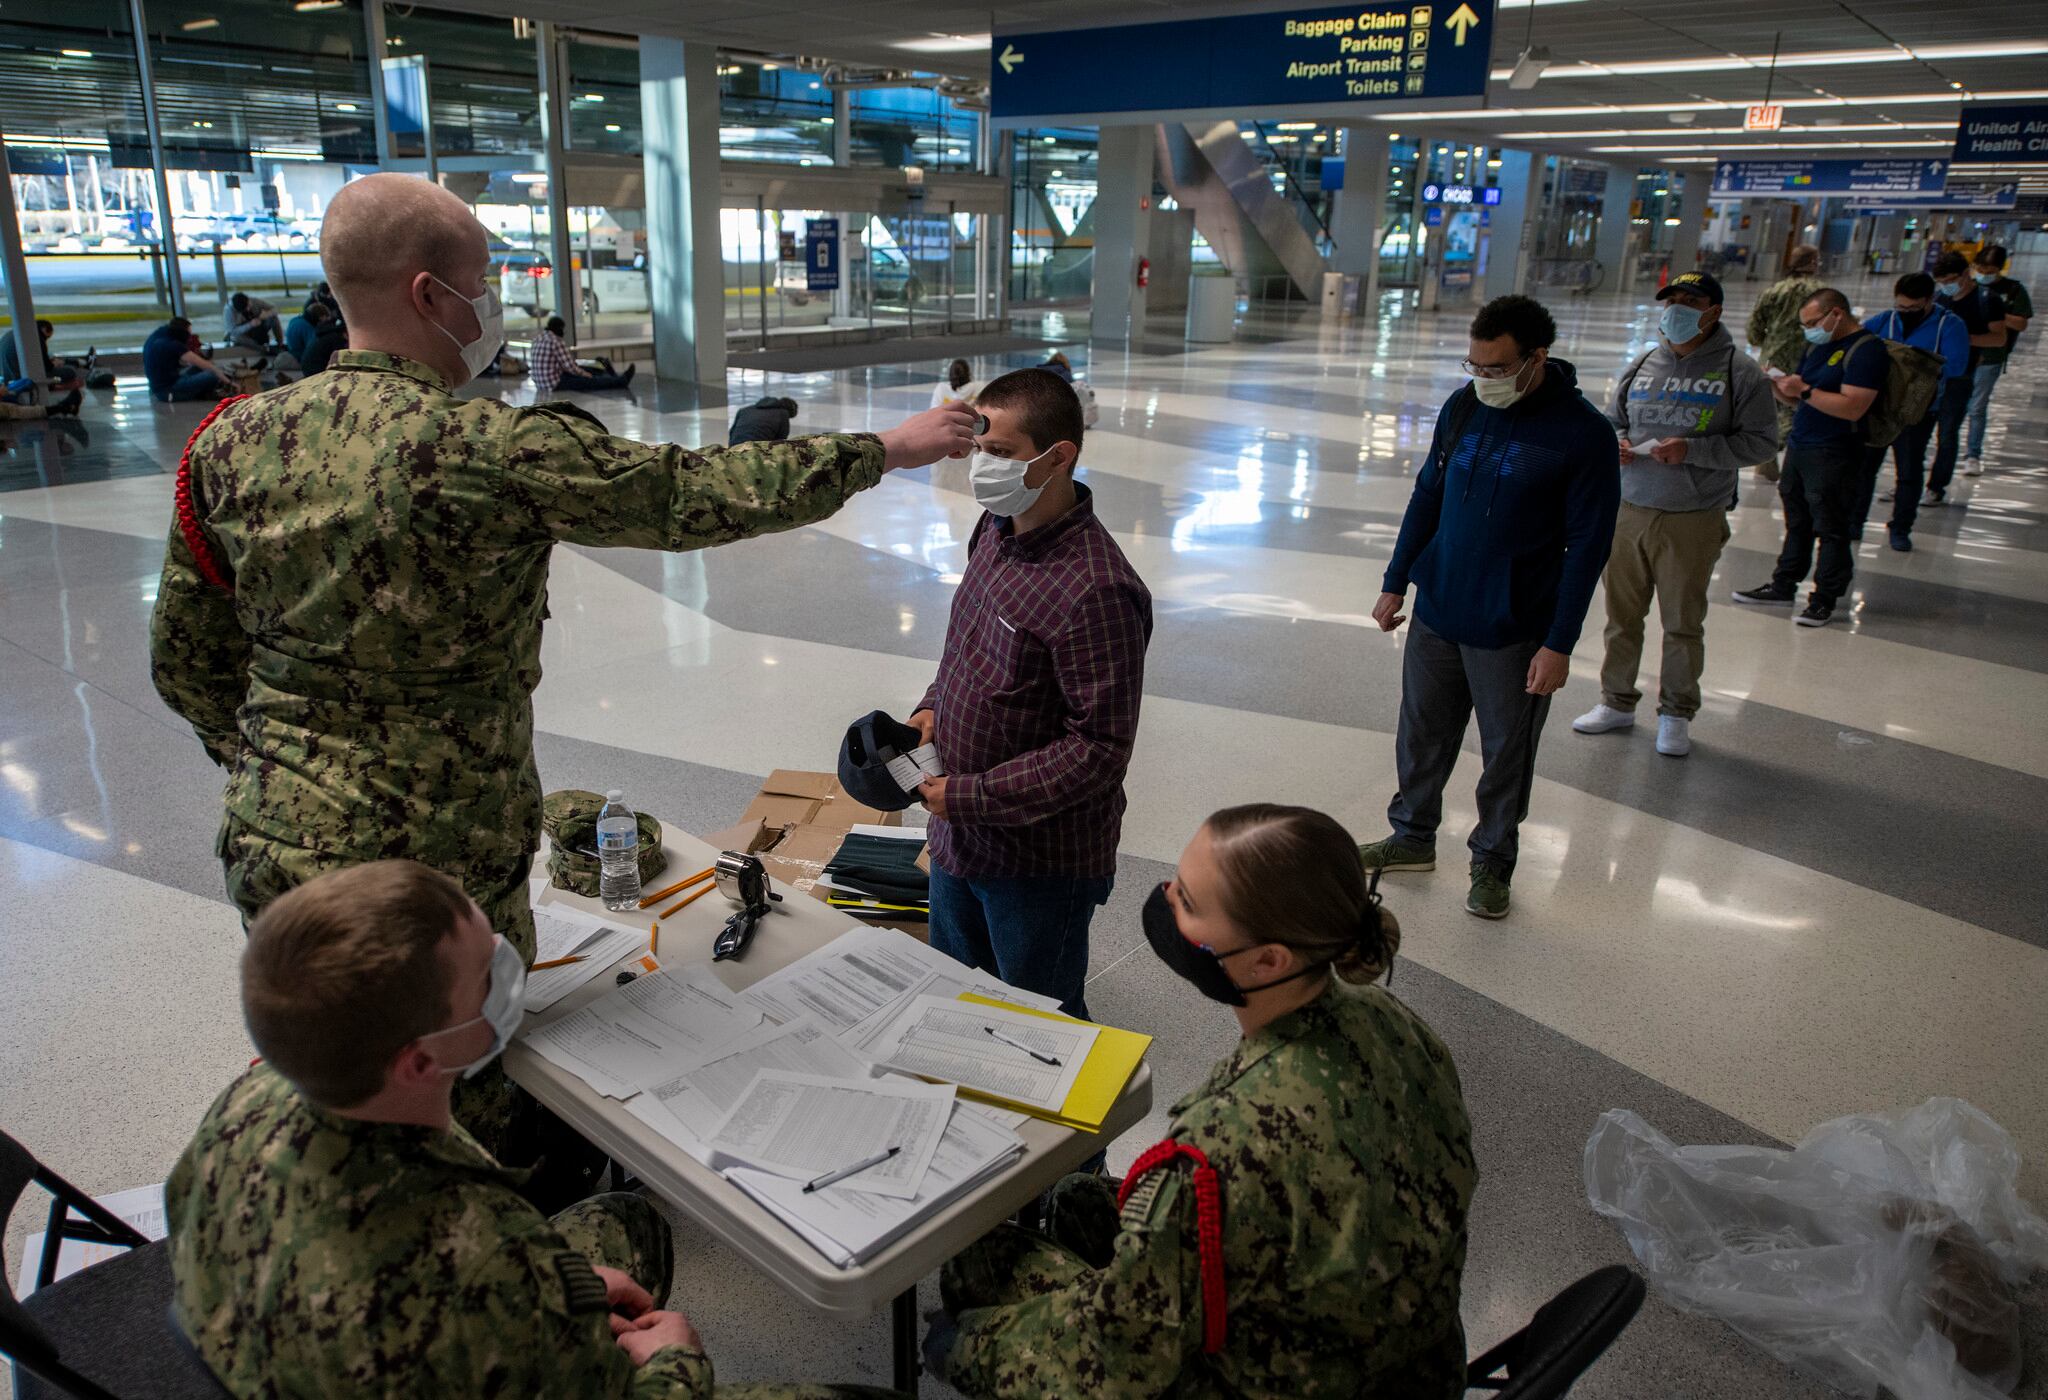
(503, 1009)
(1815, 334)
(1951, 289)
(1985, 279)
(1679, 323)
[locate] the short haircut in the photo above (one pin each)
(1991, 255)
(179, 327)
(1523, 318)
(46, 327)
(1950, 263)
(382, 230)
(239, 300)
(1047, 408)
(1285, 878)
(343, 972)
(1917, 285)
(556, 324)
(958, 373)
(1827, 299)
(788, 406)
(1804, 258)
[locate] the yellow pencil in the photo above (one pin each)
(659, 895)
(696, 894)
(557, 962)
(654, 937)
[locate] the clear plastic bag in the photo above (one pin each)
(1883, 1250)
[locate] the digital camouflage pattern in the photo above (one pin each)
(1774, 322)
(368, 684)
(569, 817)
(318, 1256)
(1345, 1157)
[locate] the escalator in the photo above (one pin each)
(1261, 233)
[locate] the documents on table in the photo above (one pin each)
(945, 1039)
(860, 981)
(646, 1031)
(805, 1126)
(700, 1097)
(850, 1227)
(566, 933)
(947, 983)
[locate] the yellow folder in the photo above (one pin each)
(1111, 1062)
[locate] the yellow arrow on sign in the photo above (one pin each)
(1461, 22)
(1010, 58)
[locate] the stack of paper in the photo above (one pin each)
(859, 982)
(1048, 1065)
(561, 933)
(851, 1227)
(646, 1031)
(805, 1126)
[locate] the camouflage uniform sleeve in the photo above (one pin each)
(1124, 1329)
(198, 652)
(531, 1322)
(585, 486)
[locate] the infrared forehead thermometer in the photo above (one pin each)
(980, 424)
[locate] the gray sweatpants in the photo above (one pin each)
(1442, 683)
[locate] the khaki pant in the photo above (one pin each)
(1670, 554)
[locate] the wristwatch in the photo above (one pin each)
(1806, 393)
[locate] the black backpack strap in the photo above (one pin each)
(1457, 414)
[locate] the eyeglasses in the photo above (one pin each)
(1493, 371)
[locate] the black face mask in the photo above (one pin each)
(1201, 966)
(1909, 321)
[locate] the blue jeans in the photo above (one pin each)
(1980, 403)
(195, 383)
(1031, 931)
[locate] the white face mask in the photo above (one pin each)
(999, 485)
(504, 1007)
(1502, 393)
(478, 354)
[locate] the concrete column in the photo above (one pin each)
(1610, 240)
(20, 303)
(1692, 212)
(1507, 229)
(842, 157)
(375, 38)
(686, 284)
(1359, 211)
(1123, 228)
(167, 239)
(553, 55)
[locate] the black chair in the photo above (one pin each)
(1567, 1335)
(105, 1332)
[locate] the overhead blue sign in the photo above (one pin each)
(1807, 177)
(821, 255)
(1433, 217)
(1332, 178)
(2005, 196)
(1433, 193)
(1312, 61)
(2009, 135)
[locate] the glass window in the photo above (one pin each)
(768, 111)
(604, 97)
(912, 126)
(1052, 230)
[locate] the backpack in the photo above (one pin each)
(1910, 383)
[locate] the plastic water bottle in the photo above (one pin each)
(618, 853)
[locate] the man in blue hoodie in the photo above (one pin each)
(1916, 321)
(1505, 537)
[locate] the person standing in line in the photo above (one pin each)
(1988, 268)
(1035, 707)
(1916, 321)
(1983, 316)
(1691, 413)
(1505, 535)
(553, 367)
(1828, 465)
(1773, 330)
(385, 709)
(958, 386)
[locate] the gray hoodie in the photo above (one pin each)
(1689, 398)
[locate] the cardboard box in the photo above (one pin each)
(795, 825)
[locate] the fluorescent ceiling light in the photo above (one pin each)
(1719, 131)
(944, 43)
(1795, 146)
(1296, 126)
(1823, 58)
(1604, 109)
(344, 106)
(307, 7)
(87, 53)
(193, 26)
(611, 126)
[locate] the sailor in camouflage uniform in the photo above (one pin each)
(1301, 1232)
(352, 595)
(333, 1233)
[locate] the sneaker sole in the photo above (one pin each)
(1604, 729)
(1477, 912)
(1417, 867)
(1812, 622)
(1674, 753)
(1763, 602)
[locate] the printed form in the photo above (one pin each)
(805, 1126)
(961, 1043)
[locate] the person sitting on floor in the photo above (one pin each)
(554, 368)
(764, 420)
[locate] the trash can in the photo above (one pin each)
(1212, 309)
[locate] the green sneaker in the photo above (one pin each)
(1398, 853)
(1489, 896)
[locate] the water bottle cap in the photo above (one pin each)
(615, 795)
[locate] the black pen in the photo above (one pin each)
(1037, 1055)
(844, 1172)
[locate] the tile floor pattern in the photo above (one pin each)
(1832, 905)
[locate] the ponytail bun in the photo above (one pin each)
(1369, 957)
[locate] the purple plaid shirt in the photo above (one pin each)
(548, 360)
(1037, 700)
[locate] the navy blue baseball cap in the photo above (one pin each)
(871, 741)
(1698, 283)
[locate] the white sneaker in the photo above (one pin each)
(1973, 466)
(1674, 736)
(1604, 719)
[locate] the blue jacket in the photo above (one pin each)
(1942, 333)
(1507, 532)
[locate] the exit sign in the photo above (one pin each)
(1763, 117)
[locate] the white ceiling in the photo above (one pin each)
(1599, 32)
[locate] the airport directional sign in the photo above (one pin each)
(1312, 61)
(1888, 178)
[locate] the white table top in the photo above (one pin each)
(799, 925)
